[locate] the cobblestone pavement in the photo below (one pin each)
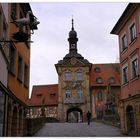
(78, 130)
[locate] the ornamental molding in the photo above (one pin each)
(73, 62)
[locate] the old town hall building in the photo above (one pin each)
(82, 86)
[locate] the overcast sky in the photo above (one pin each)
(93, 23)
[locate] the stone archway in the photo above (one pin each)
(14, 122)
(74, 115)
(130, 118)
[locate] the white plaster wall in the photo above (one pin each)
(5, 10)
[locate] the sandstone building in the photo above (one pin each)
(73, 74)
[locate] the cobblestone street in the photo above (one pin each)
(78, 130)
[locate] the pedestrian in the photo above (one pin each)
(88, 117)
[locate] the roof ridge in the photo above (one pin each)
(104, 63)
(45, 85)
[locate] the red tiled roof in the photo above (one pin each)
(106, 71)
(44, 94)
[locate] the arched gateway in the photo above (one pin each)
(74, 115)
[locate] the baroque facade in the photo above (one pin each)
(128, 28)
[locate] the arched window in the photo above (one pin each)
(99, 80)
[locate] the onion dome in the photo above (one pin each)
(72, 33)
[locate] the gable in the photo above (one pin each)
(74, 62)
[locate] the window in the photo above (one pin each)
(125, 74)
(26, 76)
(99, 80)
(12, 67)
(111, 80)
(22, 16)
(100, 96)
(20, 68)
(13, 10)
(68, 76)
(97, 69)
(3, 27)
(79, 76)
(80, 93)
(124, 42)
(68, 94)
(134, 68)
(132, 32)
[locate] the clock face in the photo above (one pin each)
(73, 46)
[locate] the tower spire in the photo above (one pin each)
(72, 23)
(73, 39)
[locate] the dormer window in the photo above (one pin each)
(39, 94)
(99, 80)
(111, 80)
(52, 94)
(97, 69)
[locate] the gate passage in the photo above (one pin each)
(74, 115)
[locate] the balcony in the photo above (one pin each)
(74, 100)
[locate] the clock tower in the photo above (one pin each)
(73, 83)
(72, 40)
